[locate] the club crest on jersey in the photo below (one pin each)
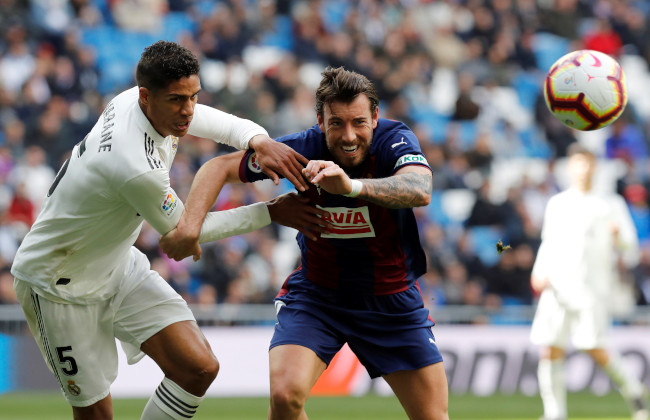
(411, 159)
(174, 144)
(253, 164)
(169, 204)
(348, 222)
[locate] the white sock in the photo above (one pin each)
(628, 385)
(552, 388)
(170, 402)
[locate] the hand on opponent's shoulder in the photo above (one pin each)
(277, 158)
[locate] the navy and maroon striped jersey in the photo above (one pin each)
(372, 250)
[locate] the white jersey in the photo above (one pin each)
(118, 176)
(579, 253)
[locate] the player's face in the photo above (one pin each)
(170, 110)
(581, 169)
(348, 129)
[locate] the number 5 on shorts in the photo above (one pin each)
(70, 368)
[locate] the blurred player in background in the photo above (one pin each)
(586, 239)
(80, 281)
(358, 282)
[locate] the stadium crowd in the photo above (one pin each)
(465, 75)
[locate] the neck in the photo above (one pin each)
(584, 187)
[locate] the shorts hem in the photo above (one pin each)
(416, 367)
(290, 343)
(135, 358)
(88, 402)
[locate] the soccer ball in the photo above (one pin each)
(586, 90)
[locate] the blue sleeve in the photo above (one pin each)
(309, 143)
(395, 148)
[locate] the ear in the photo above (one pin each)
(144, 95)
(375, 117)
(321, 123)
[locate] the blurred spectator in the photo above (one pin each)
(454, 281)
(33, 172)
(17, 64)
(510, 278)
(626, 141)
(603, 38)
(636, 197)
(484, 211)
(138, 15)
(21, 209)
(561, 17)
(51, 132)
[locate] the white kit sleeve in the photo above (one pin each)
(152, 197)
(628, 240)
(222, 224)
(222, 127)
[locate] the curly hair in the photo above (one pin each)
(343, 85)
(164, 62)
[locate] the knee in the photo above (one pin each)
(552, 353)
(198, 378)
(442, 414)
(287, 398)
(207, 371)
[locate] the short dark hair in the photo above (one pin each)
(343, 85)
(164, 62)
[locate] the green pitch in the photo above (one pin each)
(35, 406)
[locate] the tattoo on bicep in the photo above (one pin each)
(399, 191)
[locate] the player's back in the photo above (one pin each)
(84, 232)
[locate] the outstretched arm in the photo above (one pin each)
(276, 159)
(410, 186)
(194, 227)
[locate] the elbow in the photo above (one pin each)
(425, 200)
(424, 196)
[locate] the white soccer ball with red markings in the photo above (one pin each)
(586, 90)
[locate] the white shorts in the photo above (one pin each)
(78, 341)
(554, 324)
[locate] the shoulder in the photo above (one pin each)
(121, 143)
(308, 142)
(394, 139)
(310, 134)
(395, 146)
(392, 130)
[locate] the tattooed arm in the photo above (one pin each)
(411, 186)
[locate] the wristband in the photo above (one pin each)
(356, 189)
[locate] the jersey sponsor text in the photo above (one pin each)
(411, 159)
(348, 222)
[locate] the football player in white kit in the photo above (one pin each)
(586, 238)
(80, 281)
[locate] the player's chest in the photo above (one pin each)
(584, 217)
